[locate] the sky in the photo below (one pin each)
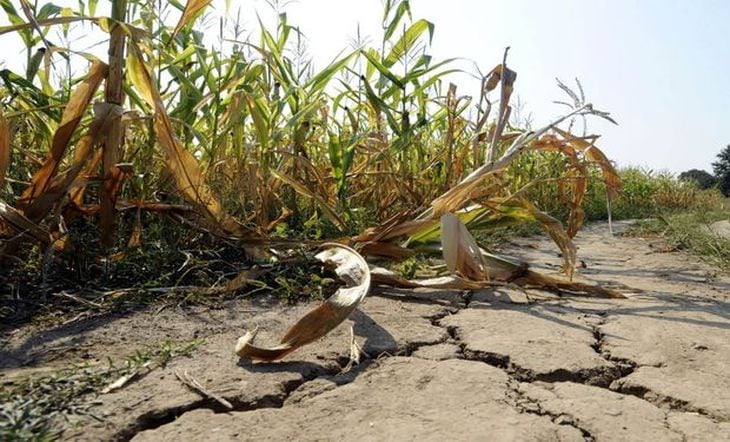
(662, 68)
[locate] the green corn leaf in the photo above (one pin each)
(408, 40)
(320, 80)
(382, 69)
(403, 8)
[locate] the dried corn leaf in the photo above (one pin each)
(538, 280)
(386, 250)
(521, 276)
(554, 229)
(62, 183)
(5, 149)
(304, 190)
(576, 176)
(20, 224)
(192, 9)
(388, 232)
(383, 276)
(461, 252)
(494, 78)
(595, 155)
(181, 163)
(75, 108)
(457, 196)
(354, 271)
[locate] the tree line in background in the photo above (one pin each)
(706, 180)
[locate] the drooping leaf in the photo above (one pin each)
(461, 252)
(555, 229)
(182, 164)
(21, 225)
(576, 176)
(595, 155)
(75, 109)
(459, 195)
(321, 199)
(62, 183)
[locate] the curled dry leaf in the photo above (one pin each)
(557, 233)
(354, 271)
(457, 196)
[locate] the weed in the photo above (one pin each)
(693, 232)
(30, 408)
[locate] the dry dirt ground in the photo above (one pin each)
(492, 365)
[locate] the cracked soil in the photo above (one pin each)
(436, 365)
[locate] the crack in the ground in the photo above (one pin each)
(624, 366)
(159, 417)
(343, 376)
(602, 377)
(595, 376)
(676, 431)
(525, 404)
(663, 401)
(627, 367)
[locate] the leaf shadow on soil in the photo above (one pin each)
(665, 307)
(78, 334)
(669, 274)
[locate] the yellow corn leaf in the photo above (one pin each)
(354, 271)
(192, 9)
(182, 164)
(75, 108)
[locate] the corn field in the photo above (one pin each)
(250, 145)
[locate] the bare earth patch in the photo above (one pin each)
(437, 365)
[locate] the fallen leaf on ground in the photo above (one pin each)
(354, 271)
